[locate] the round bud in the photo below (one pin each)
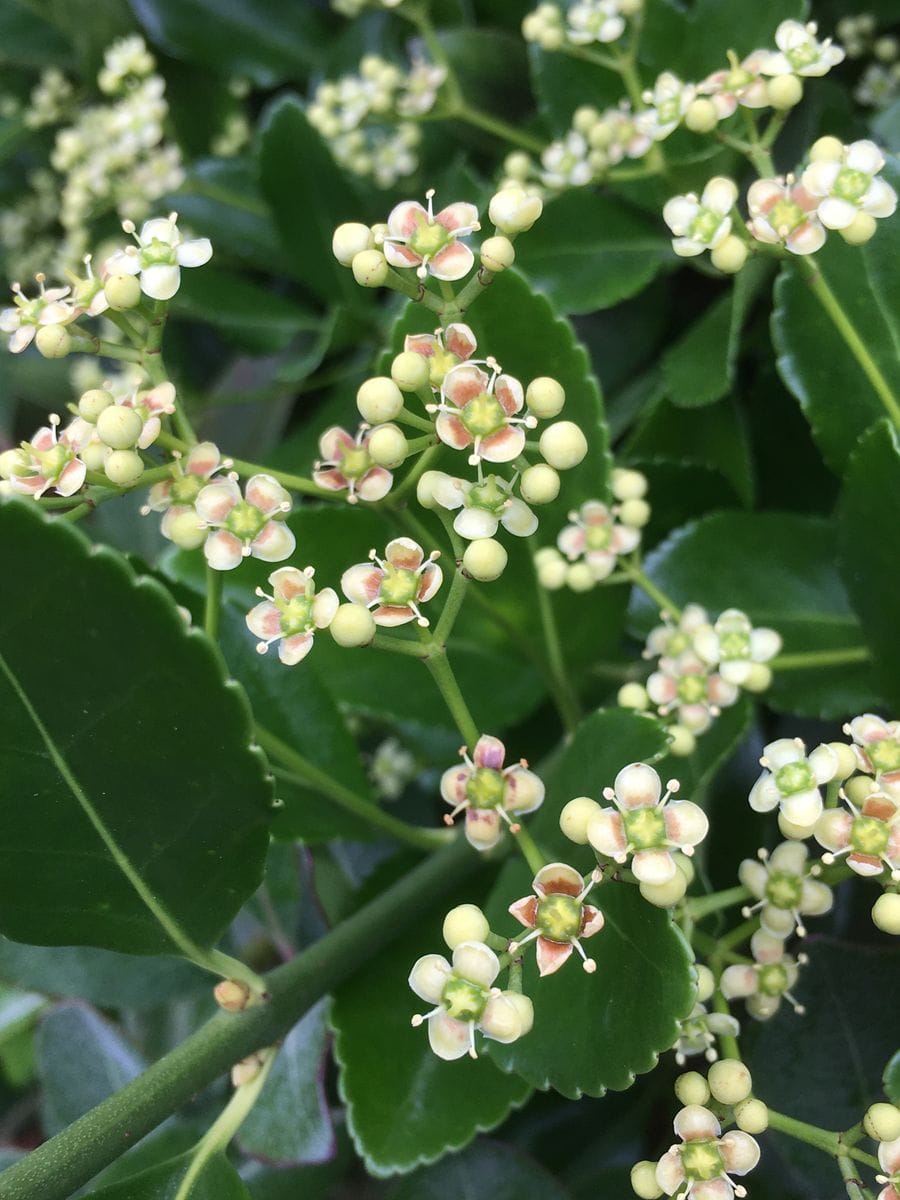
(752, 1116)
(730, 254)
(859, 789)
(410, 371)
(847, 763)
(827, 149)
(886, 915)
(628, 485)
(584, 118)
(635, 513)
(387, 446)
(122, 292)
(633, 695)
(563, 445)
(352, 625)
(524, 1008)
(465, 923)
(685, 865)
(497, 253)
(552, 39)
(784, 91)
(425, 488)
(860, 229)
(886, 50)
(485, 559)
(53, 341)
(643, 1181)
(513, 210)
(123, 467)
(681, 741)
(882, 1121)
(350, 239)
(580, 577)
(759, 678)
(574, 818)
(119, 427)
(665, 895)
(517, 165)
(370, 268)
(552, 572)
(701, 116)
(629, 7)
(93, 402)
(380, 399)
(789, 829)
(186, 530)
(729, 1081)
(94, 455)
(232, 995)
(539, 484)
(706, 983)
(692, 1088)
(545, 397)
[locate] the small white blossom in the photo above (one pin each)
(800, 52)
(785, 213)
(594, 21)
(158, 256)
(668, 101)
(792, 780)
(565, 162)
(701, 224)
(849, 184)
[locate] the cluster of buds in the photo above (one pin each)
(588, 549)
(116, 429)
(368, 119)
(582, 23)
(702, 667)
(488, 793)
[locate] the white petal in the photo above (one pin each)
(428, 977)
(518, 519)
(476, 962)
(738, 981)
(274, 543)
(474, 523)
(449, 1039)
(500, 1020)
(837, 214)
(764, 795)
(764, 644)
(864, 156)
(194, 253)
(783, 751)
(695, 1121)
(824, 763)
(804, 808)
(223, 550)
(160, 282)
(790, 857)
(637, 786)
(753, 876)
(654, 866)
(880, 200)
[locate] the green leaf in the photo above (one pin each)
(589, 251)
(867, 524)
(815, 362)
(485, 1169)
(27, 40)
(891, 1079)
(218, 1180)
(81, 1059)
(148, 813)
(290, 1122)
(405, 1106)
(251, 317)
(780, 569)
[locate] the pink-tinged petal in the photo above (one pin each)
(430, 581)
(525, 911)
(523, 791)
(160, 399)
(504, 445)
(223, 550)
(889, 1157)
(71, 477)
(765, 948)
(721, 692)
(332, 479)
(806, 238)
(21, 339)
(375, 484)
(833, 829)
(293, 649)
(551, 955)
(274, 542)
(558, 879)
(194, 253)
(362, 583)
(266, 494)
(740, 1151)
(160, 282)
(400, 256)
(453, 784)
(448, 1038)
(654, 866)
(44, 439)
(405, 218)
(637, 786)
(669, 1172)
(324, 607)
(661, 688)
(763, 195)
(390, 616)
(501, 1020)
(510, 393)
(489, 752)
(694, 1121)
(866, 865)
(429, 976)
(452, 432)
(334, 442)
(264, 620)
(606, 833)
(149, 433)
(572, 541)
(29, 485)
(288, 582)
(215, 501)
(713, 1189)
(421, 343)
(460, 215)
(459, 340)
(592, 921)
(738, 981)
(686, 823)
(518, 519)
(463, 384)
(158, 496)
(404, 553)
(625, 538)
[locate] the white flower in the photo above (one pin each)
(800, 52)
(246, 525)
(849, 185)
(597, 537)
(685, 686)
(158, 257)
(420, 88)
(565, 162)
(765, 981)
(594, 21)
(783, 889)
(701, 224)
(669, 101)
(877, 747)
(699, 1030)
(734, 645)
(785, 213)
(741, 84)
(671, 640)
(791, 780)
(483, 506)
(292, 614)
(48, 307)
(701, 1167)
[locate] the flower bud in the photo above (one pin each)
(789, 829)
(232, 994)
(580, 577)
(752, 1116)
(643, 1181)
(633, 695)
(706, 983)
(574, 818)
(692, 1088)
(681, 741)
(859, 789)
(551, 571)
(729, 1081)
(425, 488)
(539, 484)
(388, 446)
(730, 254)
(119, 427)
(122, 292)
(370, 268)
(94, 455)
(13, 462)
(246, 1070)
(545, 397)
(524, 1008)
(186, 530)
(635, 513)
(701, 116)
(584, 118)
(380, 399)
(352, 625)
(350, 239)
(886, 915)
(93, 402)
(465, 923)
(827, 149)
(53, 341)
(517, 165)
(513, 210)
(410, 371)
(685, 865)
(123, 467)
(846, 759)
(882, 1122)
(759, 678)
(860, 229)
(497, 253)
(485, 559)
(886, 50)
(563, 445)
(626, 484)
(784, 91)
(665, 895)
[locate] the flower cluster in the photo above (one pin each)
(582, 23)
(879, 83)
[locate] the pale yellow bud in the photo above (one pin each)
(497, 253)
(539, 484)
(882, 1121)
(349, 240)
(465, 923)
(370, 268)
(53, 341)
(575, 816)
(784, 91)
(388, 446)
(580, 577)
(123, 467)
(860, 229)
(701, 116)
(635, 513)
(886, 916)
(485, 559)
(352, 625)
(380, 399)
(691, 1088)
(122, 292)
(752, 1116)
(119, 427)
(563, 445)
(643, 1181)
(93, 402)
(633, 695)
(545, 397)
(730, 255)
(729, 1081)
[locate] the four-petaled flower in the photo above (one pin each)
(849, 184)
(466, 1000)
(868, 835)
(741, 83)
(767, 980)
(699, 1030)
(248, 525)
(189, 475)
(889, 1161)
(27, 316)
(684, 685)
(784, 213)
(50, 460)
(396, 585)
(479, 410)
(668, 102)
(734, 646)
(488, 792)
(800, 52)
(417, 238)
(594, 21)
(646, 824)
(701, 224)
(158, 257)
(783, 889)
(792, 780)
(88, 295)
(292, 614)
(597, 537)
(565, 162)
(671, 640)
(445, 349)
(483, 505)
(558, 917)
(347, 466)
(705, 1160)
(877, 746)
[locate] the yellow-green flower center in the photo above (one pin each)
(705, 225)
(559, 917)
(645, 828)
(785, 215)
(157, 253)
(851, 185)
(490, 495)
(399, 586)
(802, 56)
(734, 644)
(439, 364)
(483, 415)
(296, 615)
(428, 239)
(692, 689)
(185, 488)
(701, 1159)
(245, 520)
(870, 836)
(598, 536)
(784, 889)
(772, 979)
(463, 1000)
(485, 788)
(884, 755)
(355, 462)
(794, 777)
(54, 460)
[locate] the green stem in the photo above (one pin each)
(739, 934)
(529, 849)
(213, 605)
(102, 348)
(76, 513)
(396, 645)
(156, 368)
(415, 291)
(420, 444)
(121, 321)
(823, 1139)
(61, 1165)
(565, 695)
(452, 605)
(663, 602)
(497, 126)
(852, 339)
(808, 659)
(483, 278)
(442, 674)
(295, 483)
(406, 417)
(412, 478)
(702, 906)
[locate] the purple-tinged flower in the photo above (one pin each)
(395, 586)
(488, 792)
(346, 465)
(245, 525)
(292, 614)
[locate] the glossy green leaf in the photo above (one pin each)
(218, 1180)
(868, 516)
(290, 1122)
(485, 1169)
(780, 569)
(81, 1059)
(251, 317)
(147, 822)
(27, 40)
(891, 1079)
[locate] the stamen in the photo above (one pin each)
(429, 197)
(473, 1053)
(516, 945)
(587, 963)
